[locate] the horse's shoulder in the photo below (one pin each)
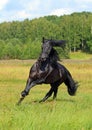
(34, 66)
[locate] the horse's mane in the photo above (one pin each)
(53, 56)
(59, 43)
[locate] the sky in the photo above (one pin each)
(12, 10)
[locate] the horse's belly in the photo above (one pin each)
(53, 77)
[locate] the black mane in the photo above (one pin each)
(58, 43)
(54, 57)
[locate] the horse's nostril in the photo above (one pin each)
(43, 59)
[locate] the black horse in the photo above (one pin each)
(48, 71)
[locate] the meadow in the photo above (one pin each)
(64, 113)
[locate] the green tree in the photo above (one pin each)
(2, 45)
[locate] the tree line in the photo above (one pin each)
(22, 39)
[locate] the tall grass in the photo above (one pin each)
(64, 113)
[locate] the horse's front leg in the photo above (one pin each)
(30, 83)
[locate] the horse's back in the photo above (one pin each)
(63, 69)
(58, 73)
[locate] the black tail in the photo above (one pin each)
(71, 84)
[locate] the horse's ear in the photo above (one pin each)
(43, 40)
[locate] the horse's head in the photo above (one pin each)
(47, 45)
(46, 48)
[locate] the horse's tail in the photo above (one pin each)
(71, 84)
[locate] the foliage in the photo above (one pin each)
(22, 40)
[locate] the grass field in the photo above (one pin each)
(64, 113)
(80, 55)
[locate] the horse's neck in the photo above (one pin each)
(42, 64)
(53, 56)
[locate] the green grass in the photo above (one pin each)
(80, 55)
(64, 113)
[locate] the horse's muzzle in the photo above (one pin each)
(43, 59)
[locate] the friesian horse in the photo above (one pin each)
(47, 70)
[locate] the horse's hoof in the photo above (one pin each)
(19, 102)
(42, 101)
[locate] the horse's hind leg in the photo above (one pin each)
(55, 92)
(55, 86)
(47, 95)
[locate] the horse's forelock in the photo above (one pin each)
(43, 39)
